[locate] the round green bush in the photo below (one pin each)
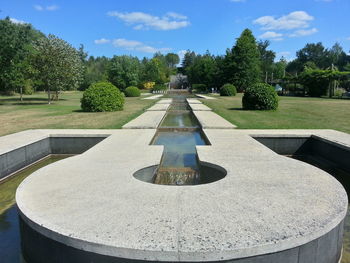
(102, 96)
(132, 92)
(228, 90)
(260, 96)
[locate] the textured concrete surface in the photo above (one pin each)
(267, 205)
(199, 107)
(147, 120)
(154, 97)
(193, 101)
(166, 101)
(159, 107)
(205, 97)
(210, 120)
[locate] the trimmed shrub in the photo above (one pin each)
(260, 96)
(132, 92)
(228, 90)
(102, 96)
(200, 88)
(159, 88)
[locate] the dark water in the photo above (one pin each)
(10, 251)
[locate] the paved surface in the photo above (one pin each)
(210, 120)
(166, 101)
(205, 97)
(266, 203)
(159, 107)
(153, 97)
(147, 120)
(192, 101)
(199, 107)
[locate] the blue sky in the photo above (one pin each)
(141, 27)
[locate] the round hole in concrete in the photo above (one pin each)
(208, 173)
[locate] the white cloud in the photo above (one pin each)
(52, 7)
(304, 32)
(102, 41)
(46, 8)
(237, 1)
(348, 38)
(272, 36)
(176, 16)
(141, 20)
(16, 21)
(137, 46)
(297, 19)
(38, 7)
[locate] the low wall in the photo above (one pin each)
(39, 248)
(19, 158)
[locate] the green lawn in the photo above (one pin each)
(292, 113)
(35, 113)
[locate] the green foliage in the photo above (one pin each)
(172, 60)
(159, 88)
(124, 71)
(228, 90)
(203, 70)
(267, 58)
(102, 96)
(155, 70)
(243, 63)
(202, 88)
(16, 48)
(317, 81)
(260, 96)
(132, 92)
(58, 64)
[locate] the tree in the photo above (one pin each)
(59, 65)
(16, 47)
(315, 53)
(172, 60)
(203, 70)
(318, 81)
(188, 60)
(267, 58)
(124, 71)
(244, 61)
(154, 71)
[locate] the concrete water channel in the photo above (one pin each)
(178, 184)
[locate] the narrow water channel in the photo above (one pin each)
(179, 132)
(10, 250)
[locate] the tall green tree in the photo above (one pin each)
(59, 65)
(154, 71)
(203, 70)
(16, 47)
(267, 58)
(244, 61)
(124, 71)
(172, 60)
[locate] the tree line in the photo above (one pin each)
(31, 61)
(250, 61)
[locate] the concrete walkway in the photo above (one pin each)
(210, 120)
(205, 97)
(153, 97)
